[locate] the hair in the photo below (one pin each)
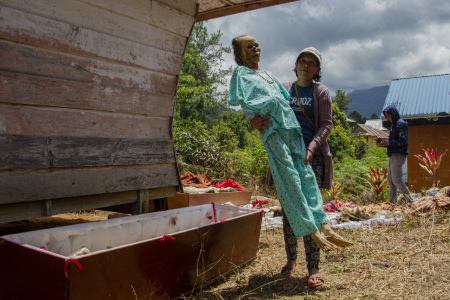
(316, 77)
(237, 50)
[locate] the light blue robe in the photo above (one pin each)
(295, 182)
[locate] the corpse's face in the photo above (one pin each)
(250, 51)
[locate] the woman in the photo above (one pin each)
(312, 105)
(260, 92)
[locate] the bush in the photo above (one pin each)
(198, 149)
(251, 163)
(340, 145)
(353, 173)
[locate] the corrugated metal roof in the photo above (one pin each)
(369, 131)
(420, 96)
(377, 124)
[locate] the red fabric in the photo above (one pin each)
(259, 202)
(229, 183)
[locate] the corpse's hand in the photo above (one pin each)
(309, 157)
(260, 123)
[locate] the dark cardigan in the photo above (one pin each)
(323, 123)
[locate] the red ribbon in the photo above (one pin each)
(265, 221)
(214, 209)
(66, 266)
(223, 221)
(164, 237)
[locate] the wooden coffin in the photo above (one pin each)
(186, 200)
(151, 256)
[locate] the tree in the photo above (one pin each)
(338, 117)
(342, 101)
(203, 58)
(373, 116)
(201, 74)
(340, 144)
(239, 123)
(356, 116)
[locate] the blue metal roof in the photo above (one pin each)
(420, 96)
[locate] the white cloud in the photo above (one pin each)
(308, 10)
(377, 5)
(363, 43)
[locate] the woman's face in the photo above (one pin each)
(307, 66)
(250, 51)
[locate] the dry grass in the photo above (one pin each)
(410, 260)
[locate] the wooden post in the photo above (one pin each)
(141, 206)
(48, 207)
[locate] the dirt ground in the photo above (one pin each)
(410, 260)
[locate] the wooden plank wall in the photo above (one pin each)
(87, 95)
(427, 137)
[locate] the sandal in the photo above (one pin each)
(315, 280)
(286, 271)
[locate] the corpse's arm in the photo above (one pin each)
(235, 96)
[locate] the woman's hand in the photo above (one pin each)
(260, 123)
(309, 157)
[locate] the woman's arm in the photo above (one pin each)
(325, 119)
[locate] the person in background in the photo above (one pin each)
(312, 105)
(260, 92)
(397, 150)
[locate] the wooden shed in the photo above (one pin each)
(87, 100)
(424, 103)
(369, 134)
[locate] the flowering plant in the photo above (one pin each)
(335, 190)
(431, 163)
(378, 180)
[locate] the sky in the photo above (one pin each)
(364, 43)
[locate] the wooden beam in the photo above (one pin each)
(20, 88)
(39, 152)
(30, 185)
(238, 8)
(19, 58)
(43, 32)
(36, 209)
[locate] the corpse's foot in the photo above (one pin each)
(322, 242)
(333, 237)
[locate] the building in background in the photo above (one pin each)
(369, 133)
(424, 103)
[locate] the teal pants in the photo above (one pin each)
(295, 182)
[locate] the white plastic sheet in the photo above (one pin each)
(367, 224)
